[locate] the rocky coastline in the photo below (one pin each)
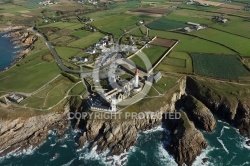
(21, 134)
(189, 97)
(21, 38)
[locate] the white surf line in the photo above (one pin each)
(220, 141)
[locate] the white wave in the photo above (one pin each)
(118, 160)
(165, 157)
(90, 155)
(222, 130)
(221, 142)
(19, 152)
(69, 163)
(51, 132)
(229, 162)
(64, 146)
(245, 163)
(43, 154)
(157, 128)
(244, 144)
(54, 157)
(83, 148)
(29, 151)
(199, 159)
(53, 144)
(12, 153)
(76, 131)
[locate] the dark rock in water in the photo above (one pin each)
(187, 142)
(248, 143)
(204, 160)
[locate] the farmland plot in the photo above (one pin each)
(219, 66)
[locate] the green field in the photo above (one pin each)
(219, 66)
(153, 54)
(166, 24)
(50, 95)
(66, 25)
(66, 52)
(237, 43)
(79, 89)
(185, 16)
(164, 84)
(235, 25)
(179, 62)
(120, 22)
(86, 41)
(28, 77)
(192, 44)
(81, 33)
(201, 8)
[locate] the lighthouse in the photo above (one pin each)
(136, 83)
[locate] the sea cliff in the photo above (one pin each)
(196, 101)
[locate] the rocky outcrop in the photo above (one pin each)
(186, 141)
(227, 106)
(113, 134)
(22, 38)
(199, 114)
(242, 118)
(21, 134)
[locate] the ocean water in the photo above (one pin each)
(226, 147)
(7, 52)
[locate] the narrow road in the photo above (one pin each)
(57, 57)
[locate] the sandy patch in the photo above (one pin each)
(7, 14)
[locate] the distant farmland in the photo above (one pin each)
(150, 10)
(166, 24)
(219, 66)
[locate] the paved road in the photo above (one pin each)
(58, 59)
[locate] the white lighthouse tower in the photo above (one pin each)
(136, 83)
(137, 87)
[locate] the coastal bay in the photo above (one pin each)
(8, 52)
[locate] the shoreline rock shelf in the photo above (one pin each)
(21, 39)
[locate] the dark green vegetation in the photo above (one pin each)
(219, 66)
(166, 24)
